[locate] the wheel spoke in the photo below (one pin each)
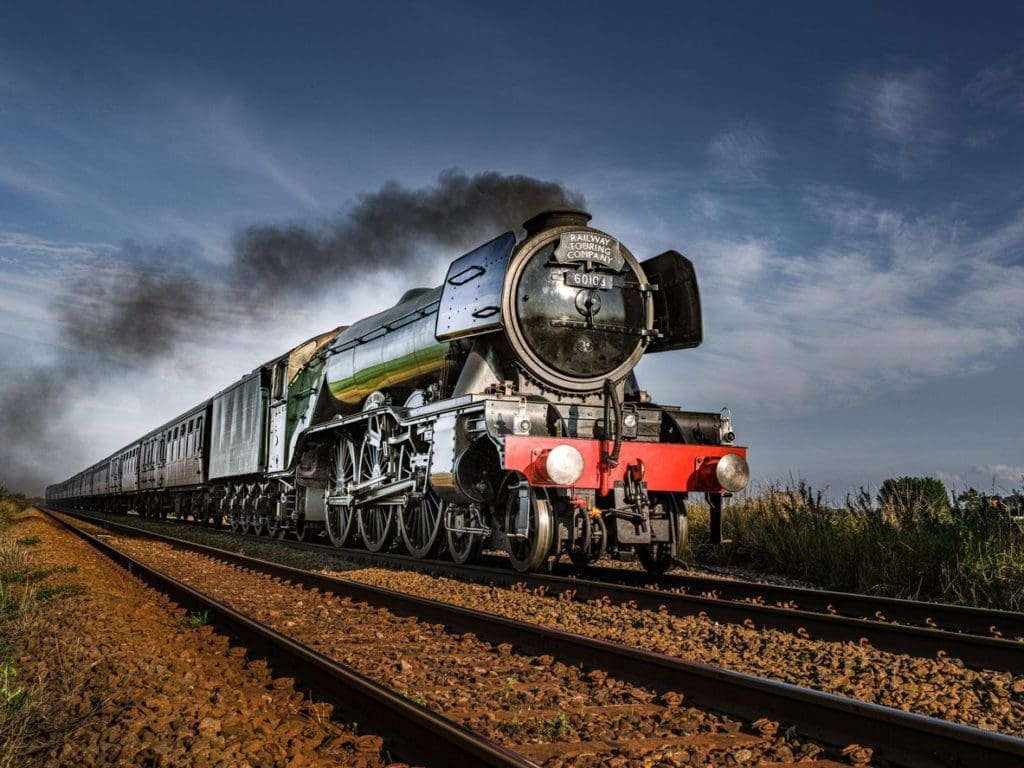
(339, 516)
(375, 526)
(420, 524)
(463, 547)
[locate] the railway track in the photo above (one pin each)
(417, 733)
(829, 616)
(897, 737)
(957, 618)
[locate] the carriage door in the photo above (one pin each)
(278, 416)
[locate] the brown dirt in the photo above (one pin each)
(141, 689)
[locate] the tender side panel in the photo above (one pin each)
(237, 429)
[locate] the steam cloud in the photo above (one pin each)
(386, 229)
(135, 308)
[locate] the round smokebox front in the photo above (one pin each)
(576, 314)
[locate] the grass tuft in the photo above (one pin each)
(196, 620)
(557, 728)
(50, 591)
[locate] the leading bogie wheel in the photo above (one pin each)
(591, 539)
(464, 547)
(529, 527)
(659, 557)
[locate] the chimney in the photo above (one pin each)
(559, 217)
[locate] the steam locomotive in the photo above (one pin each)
(498, 410)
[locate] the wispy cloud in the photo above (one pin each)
(741, 155)
(900, 115)
(1000, 85)
(23, 244)
(30, 184)
(1001, 472)
(222, 125)
(950, 480)
(887, 301)
(980, 139)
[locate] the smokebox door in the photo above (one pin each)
(471, 294)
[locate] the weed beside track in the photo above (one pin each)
(970, 554)
(33, 693)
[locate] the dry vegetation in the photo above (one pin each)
(32, 700)
(901, 545)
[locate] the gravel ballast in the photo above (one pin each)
(145, 684)
(941, 688)
(553, 713)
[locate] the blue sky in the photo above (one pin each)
(847, 181)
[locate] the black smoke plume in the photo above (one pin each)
(387, 230)
(137, 307)
(120, 313)
(31, 431)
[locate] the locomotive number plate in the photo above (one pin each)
(590, 280)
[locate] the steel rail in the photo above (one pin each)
(976, 651)
(413, 732)
(903, 738)
(961, 618)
